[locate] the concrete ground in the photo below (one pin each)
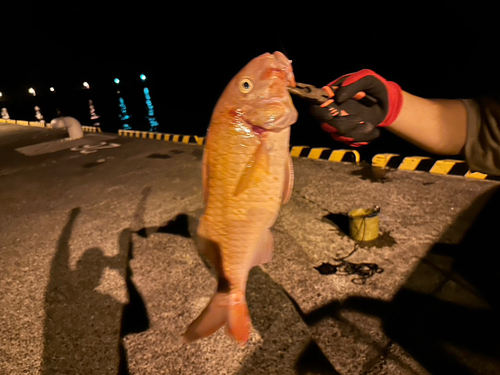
(99, 272)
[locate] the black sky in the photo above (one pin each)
(441, 50)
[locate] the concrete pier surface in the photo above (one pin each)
(99, 272)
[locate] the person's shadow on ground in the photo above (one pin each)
(83, 328)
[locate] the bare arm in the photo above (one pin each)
(436, 125)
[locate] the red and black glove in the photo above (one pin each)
(354, 119)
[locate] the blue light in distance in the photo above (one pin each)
(124, 115)
(151, 112)
(143, 77)
(117, 81)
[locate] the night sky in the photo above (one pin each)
(189, 52)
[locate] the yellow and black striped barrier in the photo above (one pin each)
(163, 136)
(427, 164)
(37, 124)
(325, 154)
(386, 160)
(91, 129)
(7, 121)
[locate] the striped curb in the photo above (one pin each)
(91, 129)
(385, 160)
(296, 151)
(38, 124)
(163, 136)
(325, 154)
(427, 164)
(23, 123)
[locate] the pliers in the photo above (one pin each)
(324, 96)
(311, 93)
(342, 126)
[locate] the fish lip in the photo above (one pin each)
(283, 59)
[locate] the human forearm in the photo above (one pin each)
(436, 125)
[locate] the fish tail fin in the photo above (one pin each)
(210, 320)
(239, 322)
(223, 308)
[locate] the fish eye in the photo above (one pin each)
(246, 85)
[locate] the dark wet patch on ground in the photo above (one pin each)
(159, 156)
(372, 174)
(92, 164)
(167, 155)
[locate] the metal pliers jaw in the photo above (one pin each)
(324, 96)
(312, 93)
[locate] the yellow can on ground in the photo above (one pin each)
(364, 224)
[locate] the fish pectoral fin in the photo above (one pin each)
(261, 157)
(289, 179)
(213, 317)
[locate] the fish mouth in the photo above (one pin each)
(260, 129)
(271, 126)
(290, 77)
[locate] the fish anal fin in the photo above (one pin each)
(212, 318)
(204, 176)
(265, 249)
(261, 159)
(289, 180)
(209, 249)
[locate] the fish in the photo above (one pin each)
(247, 175)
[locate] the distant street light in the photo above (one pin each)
(52, 89)
(1, 94)
(117, 81)
(86, 85)
(143, 77)
(32, 91)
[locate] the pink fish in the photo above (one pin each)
(247, 175)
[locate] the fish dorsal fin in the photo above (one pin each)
(261, 156)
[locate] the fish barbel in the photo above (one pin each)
(247, 175)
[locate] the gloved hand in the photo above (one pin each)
(354, 120)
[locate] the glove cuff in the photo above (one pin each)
(395, 96)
